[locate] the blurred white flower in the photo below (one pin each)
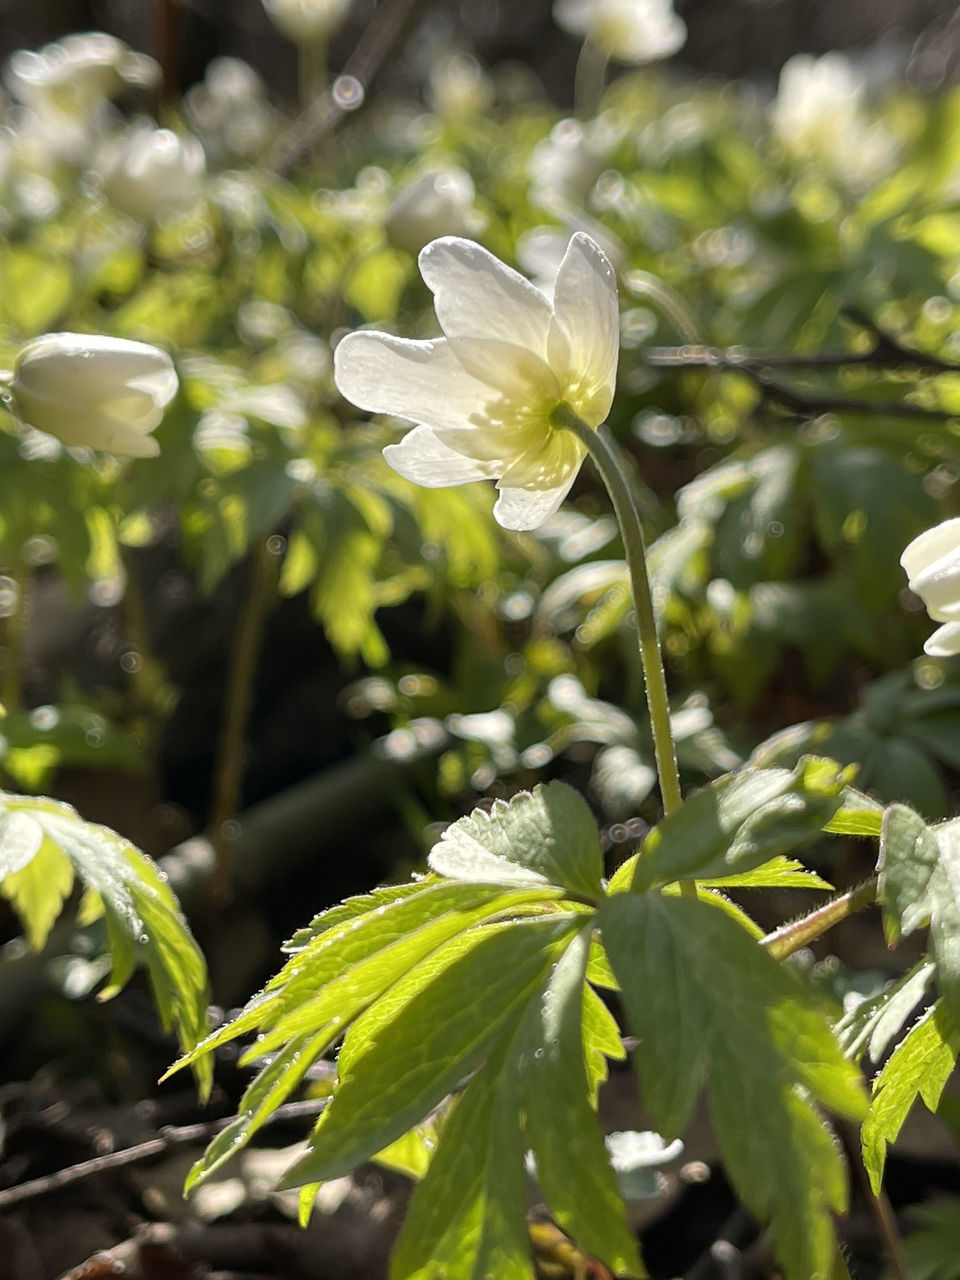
(820, 113)
(458, 85)
(77, 74)
(932, 565)
(637, 31)
(485, 395)
(540, 250)
(148, 172)
(564, 167)
(305, 20)
(105, 393)
(436, 204)
(229, 110)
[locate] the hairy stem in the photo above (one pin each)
(605, 460)
(791, 937)
(231, 753)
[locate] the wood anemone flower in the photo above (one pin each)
(490, 396)
(86, 389)
(932, 565)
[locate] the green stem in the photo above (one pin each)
(605, 460)
(791, 937)
(231, 753)
(311, 71)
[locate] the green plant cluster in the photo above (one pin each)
(787, 406)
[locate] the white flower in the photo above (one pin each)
(637, 31)
(105, 393)
(304, 20)
(820, 112)
(150, 172)
(932, 565)
(78, 73)
(565, 166)
(486, 393)
(437, 204)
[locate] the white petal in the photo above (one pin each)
(425, 460)
(586, 329)
(528, 508)
(512, 371)
(477, 296)
(931, 546)
(422, 381)
(944, 642)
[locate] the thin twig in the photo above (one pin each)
(326, 111)
(880, 1208)
(789, 938)
(169, 1136)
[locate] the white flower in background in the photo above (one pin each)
(105, 393)
(637, 31)
(484, 395)
(564, 167)
(820, 113)
(457, 85)
(77, 74)
(932, 565)
(540, 250)
(229, 110)
(148, 172)
(436, 204)
(303, 21)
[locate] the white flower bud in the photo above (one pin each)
(105, 393)
(637, 31)
(152, 172)
(305, 20)
(438, 204)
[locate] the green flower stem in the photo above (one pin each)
(14, 632)
(605, 460)
(311, 71)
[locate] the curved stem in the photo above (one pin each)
(605, 460)
(791, 937)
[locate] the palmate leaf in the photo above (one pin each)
(872, 1025)
(919, 1067)
(143, 918)
(428, 1032)
(547, 836)
(919, 882)
(742, 821)
(709, 1006)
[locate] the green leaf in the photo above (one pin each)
(875, 1021)
(547, 836)
(740, 822)
(143, 917)
(945, 916)
(601, 1040)
(467, 1218)
(365, 944)
(269, 1089)
(39, 887)
(908, 858)
(562, 1130)
(858, 815)
(778, 873)
(919, 1066)
(430, 1030)
(708, 1004)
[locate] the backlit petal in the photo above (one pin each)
(944, 642)
(478, 296)
(528, 508)
(422, 381)
(425, 460)
(931, 546)
(586, 331)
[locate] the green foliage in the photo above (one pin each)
(478, 982)
(44, 845)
